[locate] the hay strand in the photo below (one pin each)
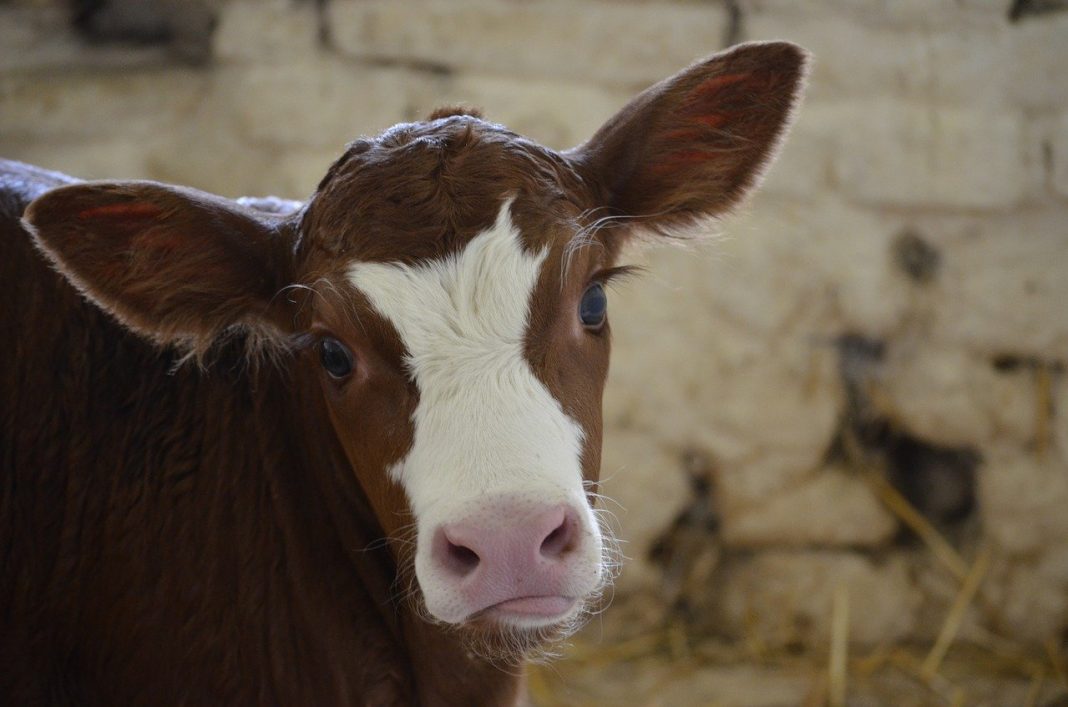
(918, 524)
(1057, 661)
(955, 616)
(1035, 689)
(837, 674)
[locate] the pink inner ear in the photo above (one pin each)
(703, 110)
(704, 90)
(133, 210)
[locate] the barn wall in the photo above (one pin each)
(893, 306)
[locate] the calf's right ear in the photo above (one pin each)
(695, 144)
(177, 265)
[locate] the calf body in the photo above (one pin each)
(341, 452)
(165, 532)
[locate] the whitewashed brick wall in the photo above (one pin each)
(943, 120)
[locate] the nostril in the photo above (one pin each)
(462, 560)
(560, 540)
(454, 555)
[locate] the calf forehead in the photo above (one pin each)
(422, 191)
(463, 320)
(466, 310)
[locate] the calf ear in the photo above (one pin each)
(177, 265)
(695, 144)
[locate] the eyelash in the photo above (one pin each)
(615, 275)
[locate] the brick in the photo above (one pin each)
(905, 154)
(729, 685)
(96, 159)
(1034, 601)
(954, 398)
(811, 267)
(636, 467)
(831, 508)
(782, 597)
(274, 31)
(67, 106)
(318, 102)
(35, 38)
(902, 14)
(1059, 154)
(1003, 287)
(968, 65)
(721, 387)
(1022, 496)
(804, 166)
(1037, 77)
(619, 43)
(224, 166)
(1060, 413)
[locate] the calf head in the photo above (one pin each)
(444, 293)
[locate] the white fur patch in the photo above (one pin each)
(485, 426)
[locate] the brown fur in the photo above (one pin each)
(228, 534)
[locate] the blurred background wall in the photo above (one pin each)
(850, 410)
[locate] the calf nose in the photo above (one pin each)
(510, 554)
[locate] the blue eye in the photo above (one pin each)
(593, 309)
(335, 358)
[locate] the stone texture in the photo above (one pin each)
(1003, 289)
(783, 597)
(38, 37)
(23, 37)
(755, 398)
(1022, 498)
(109, 104)
(900, 15)
(855, 58)
(950, 397)
(96, 159)
(660, 681)
(1059, 403)
(646, 489)
(614, 42)
(318, 103)
(832, 507)
(1036, 605)
(1059, 155)
(907, 154)
(1037, 76)
(267, 30)
(1028, 596)
(736, 686)
(804, 167)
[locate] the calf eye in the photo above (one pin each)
(335, 357)
(593, 309)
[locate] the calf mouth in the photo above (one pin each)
(530, 611)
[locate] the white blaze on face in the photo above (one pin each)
(485, 426)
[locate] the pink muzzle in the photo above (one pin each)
(514, 560)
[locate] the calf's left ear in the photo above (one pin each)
(176, 265)
(696, 143)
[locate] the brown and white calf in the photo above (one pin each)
(341, 452)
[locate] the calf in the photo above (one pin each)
(342, 452)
